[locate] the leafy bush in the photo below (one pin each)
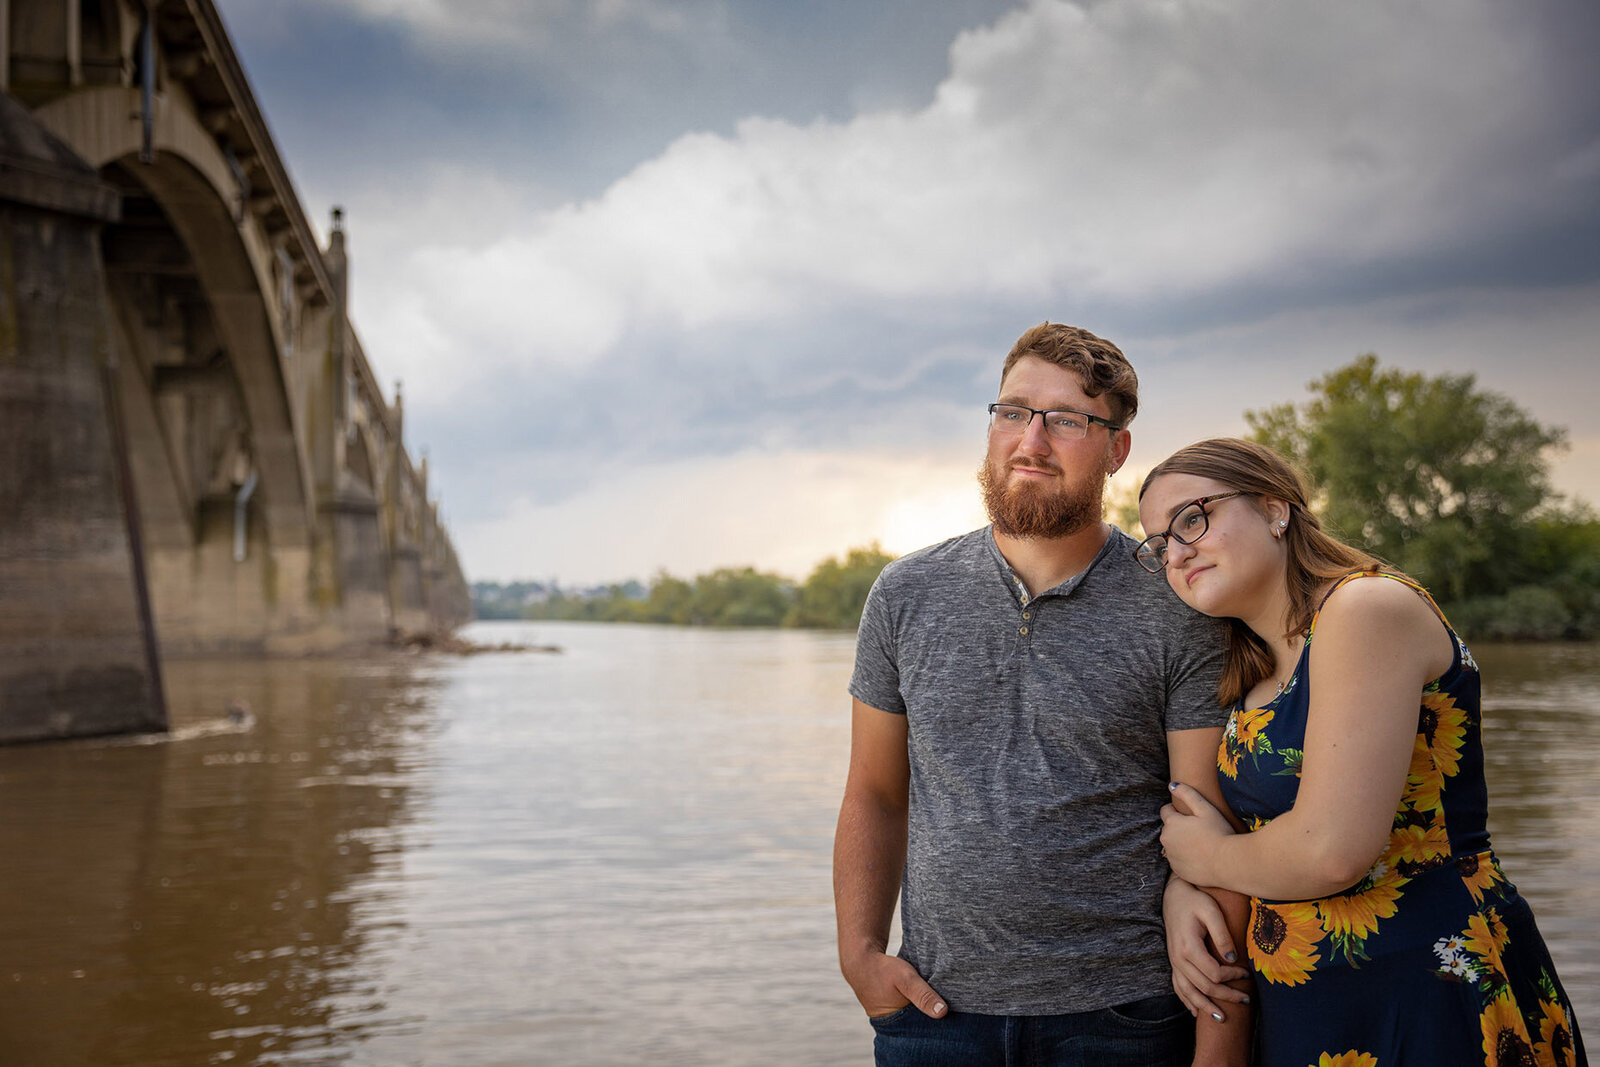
(833, 596)
(1526, 613)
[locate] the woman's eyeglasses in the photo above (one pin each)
(1187, 526)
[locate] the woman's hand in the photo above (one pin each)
(1191, 830)
(1198, 969)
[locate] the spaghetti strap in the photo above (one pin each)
(1402, 579)
(1345, 578)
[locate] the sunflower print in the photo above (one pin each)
(1346, 1059)
(1485, 941)
(1424, 790)
(1283, 939)
(1555, 1043)
(1505, 1036)
(1480, 873)
(1437, 883)
(1443, 725)
(1477, 955)
(1350, 918)
(1228, 750)
(1414, 849)
(1486, 936)
(1245, 735)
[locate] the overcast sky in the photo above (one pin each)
(701, 283)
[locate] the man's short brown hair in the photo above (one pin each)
(1099, 363)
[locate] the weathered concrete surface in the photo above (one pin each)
(75, 651)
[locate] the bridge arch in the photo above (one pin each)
(200, 203)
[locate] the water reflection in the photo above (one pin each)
(189, 901)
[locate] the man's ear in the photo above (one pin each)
(1121, 445)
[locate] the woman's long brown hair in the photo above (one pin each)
(1315, 557)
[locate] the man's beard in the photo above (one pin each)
(1025, 510)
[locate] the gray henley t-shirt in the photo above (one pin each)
(1037, 740)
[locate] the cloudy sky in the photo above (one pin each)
(694, 283)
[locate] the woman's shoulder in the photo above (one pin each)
(1374, 598)
(1380, 611)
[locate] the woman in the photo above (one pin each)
(1382, 929)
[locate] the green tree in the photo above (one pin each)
(555, 606)
(623, 603)
(615, 603)
(1558, 594)
(670, 601)
(1569, 540)
(740, 597)
(1434, 475)
(832, 597)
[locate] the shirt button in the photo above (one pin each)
(1027, 614)
(1023, 631)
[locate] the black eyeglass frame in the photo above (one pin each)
(1107, 423)
(1143, 552)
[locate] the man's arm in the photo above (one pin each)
(869, 856)
(1192, 758)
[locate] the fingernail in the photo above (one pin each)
(1172, 785)
(1247, 1000)
(1217, 1015)
(938, 1009)
(1230, 957)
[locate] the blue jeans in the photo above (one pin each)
(1155, 1032)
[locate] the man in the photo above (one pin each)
(1022, 696)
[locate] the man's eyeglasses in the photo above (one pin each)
(1187, 526)
(1013, 419)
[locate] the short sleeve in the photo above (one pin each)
(1196, 669)
(876, 680)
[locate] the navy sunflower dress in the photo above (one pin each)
(1432, 957)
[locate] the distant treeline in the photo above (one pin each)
(1443, 480)
(830, 598)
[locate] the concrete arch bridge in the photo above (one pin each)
(195, 455)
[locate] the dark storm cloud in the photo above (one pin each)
(568, 97)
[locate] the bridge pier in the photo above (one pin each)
(77, 655)
(360, 562)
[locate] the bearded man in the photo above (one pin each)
(1022, 696)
